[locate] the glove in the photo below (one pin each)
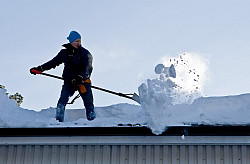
(82, 87)
(87, 81)
(77, 80)
(39, 68)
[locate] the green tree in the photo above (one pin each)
(17, 97)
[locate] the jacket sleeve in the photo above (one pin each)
(56, 61)
(89, 67)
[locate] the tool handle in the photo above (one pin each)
(98, 88)
(36, 71)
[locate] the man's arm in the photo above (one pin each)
(89, 67)
(56, 61)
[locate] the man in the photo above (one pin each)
(76, 75)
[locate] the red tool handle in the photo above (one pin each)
(35, 71)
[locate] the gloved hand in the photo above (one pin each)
(39, 68)
(79, 83)
(87, 81)
(77, 80)
(82, 87)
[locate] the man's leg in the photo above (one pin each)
(66, 93)
(88, 102)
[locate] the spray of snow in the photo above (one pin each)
(182, 87)
(192, 75)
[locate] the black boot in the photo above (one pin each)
(60, 112)
(90, 113)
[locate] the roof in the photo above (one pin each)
(180, 144)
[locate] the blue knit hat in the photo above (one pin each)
(73, 36)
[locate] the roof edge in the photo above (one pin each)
(200, 130)
(127, 140)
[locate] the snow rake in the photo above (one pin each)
(133, 96)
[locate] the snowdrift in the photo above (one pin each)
(229, 110)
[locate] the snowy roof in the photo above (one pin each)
(229, 110)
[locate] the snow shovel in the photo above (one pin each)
(134, 96)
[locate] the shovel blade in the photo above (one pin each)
(136, 98)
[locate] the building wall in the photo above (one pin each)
(118, 154)
(112, 150)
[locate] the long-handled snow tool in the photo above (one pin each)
(134, 96)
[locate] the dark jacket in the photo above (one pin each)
(76, 62)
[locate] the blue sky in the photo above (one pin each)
(127, 39)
